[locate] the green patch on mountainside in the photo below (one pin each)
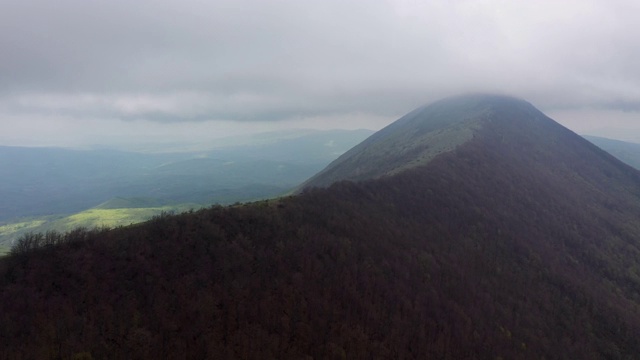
(4, 250)
(22, 225)
(95, 217)
(115, 217)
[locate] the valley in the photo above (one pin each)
(59, 189)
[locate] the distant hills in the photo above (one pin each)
(132, 203)
(625, 151)
(49, 181)
(474, 228)
(58, 189)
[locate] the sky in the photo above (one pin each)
(115, 72)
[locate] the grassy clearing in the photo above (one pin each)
(4, 250)
(23, 225)
(90, 218)
(113, 217)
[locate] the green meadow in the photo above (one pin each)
(91, 218)
(4, 250)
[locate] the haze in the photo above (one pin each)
(79, 73)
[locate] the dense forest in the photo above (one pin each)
(504, 248)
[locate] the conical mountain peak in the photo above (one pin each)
(426, 132)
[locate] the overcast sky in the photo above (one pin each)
(76, 72)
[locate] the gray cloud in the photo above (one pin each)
(241, 60)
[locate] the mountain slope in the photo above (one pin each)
(519, 243)
(418, 137)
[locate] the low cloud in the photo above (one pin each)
(256, 61)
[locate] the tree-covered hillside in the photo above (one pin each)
(522, 243)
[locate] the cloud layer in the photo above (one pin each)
(169, 61)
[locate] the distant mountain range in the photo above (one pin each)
(473, 228)
(626, 151)
(49, 181)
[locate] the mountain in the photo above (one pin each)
(626, 151)
(421, 135)
(519, 240)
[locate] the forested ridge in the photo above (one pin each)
(515, 245)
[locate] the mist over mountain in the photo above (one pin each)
(297, 146)
(421, 135)
(474, 227)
